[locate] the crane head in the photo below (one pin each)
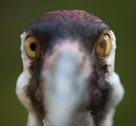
(68, 60)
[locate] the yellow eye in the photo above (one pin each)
(104, 45)
(32, 47)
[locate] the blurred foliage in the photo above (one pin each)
(16, 15)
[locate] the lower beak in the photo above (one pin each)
(65, 87)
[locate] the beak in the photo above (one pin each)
(66, 83)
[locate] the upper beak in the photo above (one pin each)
(65, 86)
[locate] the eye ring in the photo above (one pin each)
(104, 45)
(32, 47)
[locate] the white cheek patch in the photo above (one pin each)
(22, 84)
(118, 89)
(25, 59)
(111, 58)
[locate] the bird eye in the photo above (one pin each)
(104, 44)
(32, 47)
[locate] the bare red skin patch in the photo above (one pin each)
(78, 15)
(46, 61)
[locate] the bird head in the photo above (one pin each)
(67, 57)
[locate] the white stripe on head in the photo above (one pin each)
(110, 60)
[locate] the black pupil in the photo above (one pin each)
(33, 46)
(102, 44)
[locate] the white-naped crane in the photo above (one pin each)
(68, 76)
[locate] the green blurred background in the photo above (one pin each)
(16, 15)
